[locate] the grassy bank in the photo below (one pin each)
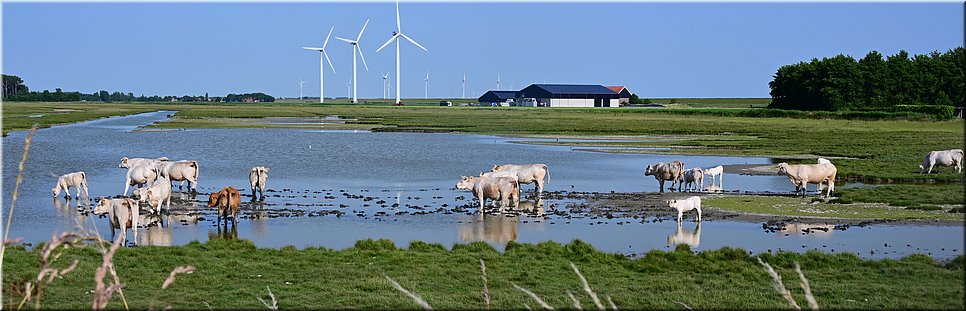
(865, 208)
(233, 274)
(886, 150)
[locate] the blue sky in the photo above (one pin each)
(656, 49)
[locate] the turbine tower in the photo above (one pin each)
(427, 84)
(348, 89)
(385, 85)
(497, 81)
(356, 49)
(395, 36)
(323, 54)
(301, 82)
(464, 85)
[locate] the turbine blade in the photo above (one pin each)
(330, 61)
(398, 23)
(387, 43)
(359, 48)
(344, 40)
(327, 37)
(313, 49)
(413, 41)
(363, 29)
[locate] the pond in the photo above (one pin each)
(332, 188)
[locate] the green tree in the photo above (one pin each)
(13, 85)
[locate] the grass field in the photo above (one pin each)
(713, 102)
(234, 274)
(804, 207)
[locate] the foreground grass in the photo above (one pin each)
(866, 150)
(805, 207)
(231, 274)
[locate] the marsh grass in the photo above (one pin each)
(795, 206)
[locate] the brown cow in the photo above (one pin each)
(227, 200)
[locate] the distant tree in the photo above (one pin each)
(13, 85)
(635, 100)
(105, 96)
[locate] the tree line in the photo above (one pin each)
(932, 83)
(14, 89)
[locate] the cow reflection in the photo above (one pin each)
(66, 209)
(489, 228)
(535, 208)
(223, 232)
(259, 218)
(691, 238)
(821, 231)
(155, 233)
(713, 188)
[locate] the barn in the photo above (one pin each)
(567, 95)
(497, 98)
(625, 95)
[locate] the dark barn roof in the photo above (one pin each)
(497, 96)
(567, 91)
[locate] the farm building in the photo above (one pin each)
(498, 98)
(568, 95)
(625, 95)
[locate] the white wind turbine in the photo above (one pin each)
(385, 85)
(356, 49)
(427, 84)
(323, 54)
(301, 82)
(395, 36)
(348, 89)
(497, 81)
(464, 85)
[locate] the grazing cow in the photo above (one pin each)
(803, 174)
(227, 201)
(952, 157)
(257, 177)
(77, 180)
(159, 192)
(694, 179)
(680, 236)
(692, 203)
(661, 171)
(141, 175)
(493, 188)
(122, 214)
(181, 171)
(527, 173)
(716, 171)
(132, 162)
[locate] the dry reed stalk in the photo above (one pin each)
(683, 305)
(574, 300)
(587, 289)
(534, 296)
(486, 289)
(415, 297)
(777, 283)
(274, 305)
(175, 272)
(47, 274)
(103, 292)
(611, 302)
(12, 242)
(807, 288)
(16, 191)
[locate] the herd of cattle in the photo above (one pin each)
(154, 179)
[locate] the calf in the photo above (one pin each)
(157, 193)
(694, 179)
(227, 200)
(257, 177)
(122, 214)
(77, 180)
(716, 171)
(494, 188)
(692, 203)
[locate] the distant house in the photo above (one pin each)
(625, 95)
(568, 95)
(498, 98)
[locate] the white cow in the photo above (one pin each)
(716, 171)
(692, 203)
(803, 174)
(952, 157)
(527, 173)
(181, 171)
(504, 189)
(692, 238)
(694, 179)
(122, 214)
(77, 180)
(132, 162)
(140, 175)
(661, 171)
(158, 193)
(257, 177)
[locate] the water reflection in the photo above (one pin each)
(226, 232)
(155, 233)
(535, 208)
(259, 219)
(815, 230)
(497, 229)
(691, 238)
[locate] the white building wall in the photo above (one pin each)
(616, 102)
(571, 102)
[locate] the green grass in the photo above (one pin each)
(713, 102)
(887, 150)
(231, 274)
(804, 207)
(914, 196)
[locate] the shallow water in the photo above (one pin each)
(331, 188)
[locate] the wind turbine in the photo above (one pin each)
(300, 85)
(348, 89)
(395, 36)
(323, 54)
(427, 84)
(355, 49)
(385, 85)
(464, 85)
(497, 81)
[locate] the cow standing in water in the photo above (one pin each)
(527, 173)
(257, 177)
